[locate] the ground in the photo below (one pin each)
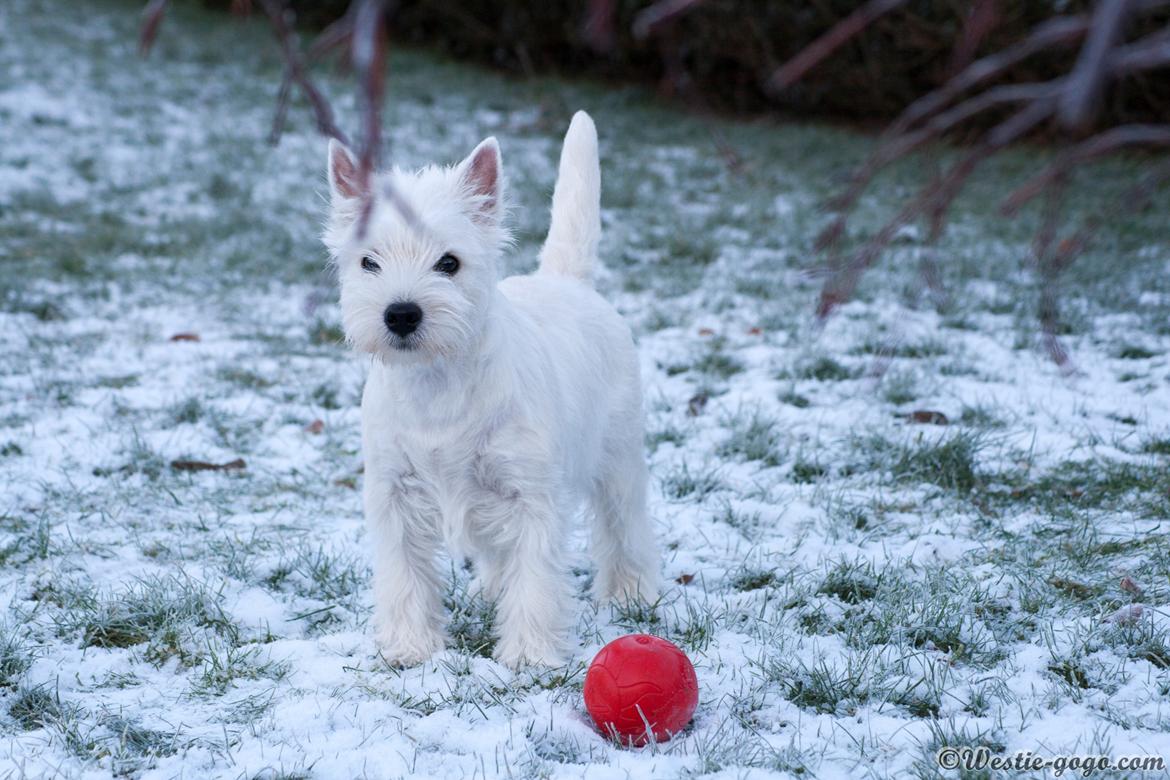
(854, 587)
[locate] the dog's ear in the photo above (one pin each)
(344, 175)
(482, 180)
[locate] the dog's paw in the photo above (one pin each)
(624, 588)
(516, 652)
(399, 649)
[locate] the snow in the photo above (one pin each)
(139, 200)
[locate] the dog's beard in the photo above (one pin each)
(443, 334)
(407, 344)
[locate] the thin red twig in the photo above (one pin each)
(650, 19)
(822, 47)
(980, 22)
(1103, 143)
(598, 28)
(152, 17)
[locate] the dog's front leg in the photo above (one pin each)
(408, 608)
(535, 597)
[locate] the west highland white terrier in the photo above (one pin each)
(492, 409)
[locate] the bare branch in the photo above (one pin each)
(280, 115)
(369, 60)
(338, 36)
(1087, 81)
(1103, 58)
(981, 21)
(598, 28)
(363, 28)
(1054, 258)
(1103, 143)
(650, 19)
(1134, 199)
(1048, 312)
(152, 17)
(1050, 221)
(846, 29)
(1147, 53)
(1060, 31)
(297, 71)
(899, 146)
(934, 199)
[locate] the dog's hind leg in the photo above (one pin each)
(623, 539)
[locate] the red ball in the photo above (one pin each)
(640, 685)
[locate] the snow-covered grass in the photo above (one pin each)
(856, 588)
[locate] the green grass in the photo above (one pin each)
(473, 619)
(913, 350)
(685, 483)
(753, 579)
(34, 708)
(851, 582)
(752, 437)
(1131, 352)
(822, 369)
(225, 665)
(900, 387)
(1098, 484)
(950, 463)
(16, 656)
(160, 611)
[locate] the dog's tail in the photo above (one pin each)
(571, 246)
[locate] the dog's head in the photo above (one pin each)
(413, 290)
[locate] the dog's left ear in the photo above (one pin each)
(482, 180)
(344, 176)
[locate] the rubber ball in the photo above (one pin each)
(641, 685)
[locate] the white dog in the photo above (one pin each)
(491, 409)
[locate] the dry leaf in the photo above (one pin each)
(185, 337)
(684, 579)
(1129, 586)
(315, 427)
(697, 403)
(1126, 616)
(202, 465)
(927, 417)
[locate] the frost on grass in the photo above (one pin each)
(856, 583)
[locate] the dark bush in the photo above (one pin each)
(720, 53)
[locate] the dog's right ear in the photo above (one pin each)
(482, 178)
(344, 176)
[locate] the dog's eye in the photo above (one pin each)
(370, 265)
(448, 264)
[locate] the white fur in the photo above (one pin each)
(571, 246)
(516, 403)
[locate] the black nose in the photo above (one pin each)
(402, 318)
